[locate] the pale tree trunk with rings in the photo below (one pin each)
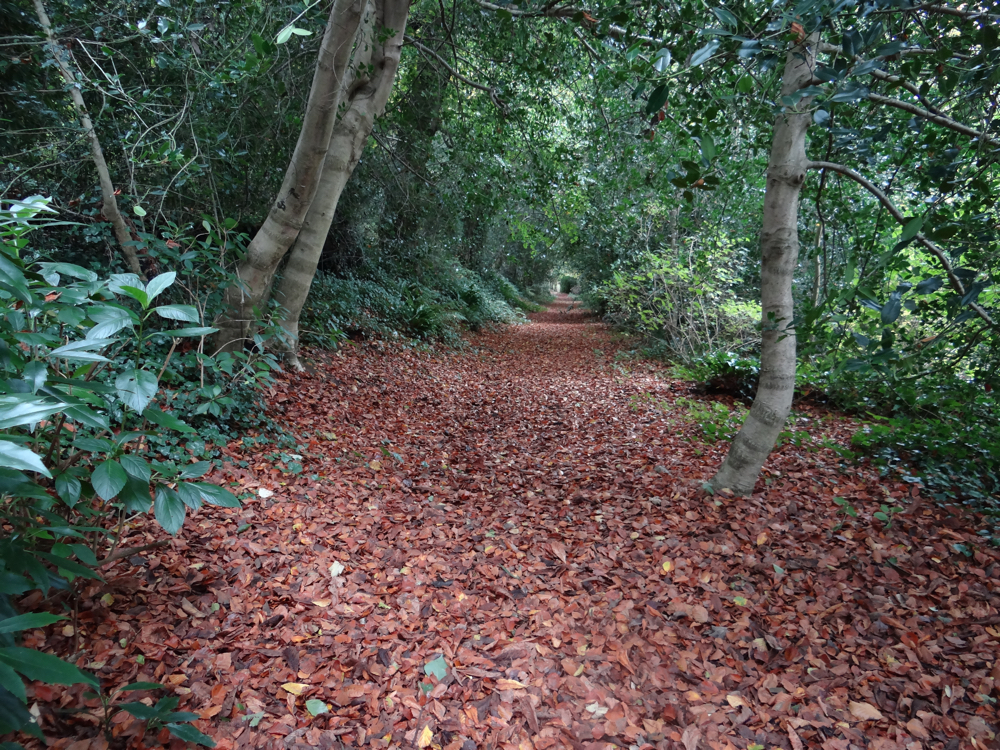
(779, 243)
(284, 221)
(109, 208)
(374, 71)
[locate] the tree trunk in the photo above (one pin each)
(779, 241)
(109, 209)
(366, 101)
(256, 271)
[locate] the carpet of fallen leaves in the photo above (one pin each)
(509, 547)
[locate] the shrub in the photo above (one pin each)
(683, 310)
(80, 400)
(436, 307)
(725, 372)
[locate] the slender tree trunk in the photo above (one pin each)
(779, 240)
(366, 101)
(269, 245)
(109, 209)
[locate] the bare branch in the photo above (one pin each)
(549, 11)
(897, 81)
(884, 199)
(942, 120)
(946, 10)
(482, 87)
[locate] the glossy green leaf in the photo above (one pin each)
(186, 313)
(108, 479)
(14, 456)
(36, 665)
(169, 509)
(136, 388)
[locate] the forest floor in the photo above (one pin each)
(509, 547)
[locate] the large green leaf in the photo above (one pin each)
(187, 313)
(657, 98)
(215, 495)
(14, 714)
(13, 682)
(14, 456)
(28, 621)
(136, 388)
(84, 350)
(136, 467)
(195, 470)
(109, 479)
(24, 408)
(703, 54)
(168, 421)
(45, 667)
(159, 283)
(169, 509)
(135, 495)
(188, 332)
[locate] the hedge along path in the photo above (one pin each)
(508, 547)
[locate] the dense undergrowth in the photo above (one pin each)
(921, 388)
(436, 305)
(944, 434)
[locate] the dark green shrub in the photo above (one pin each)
(80, 399)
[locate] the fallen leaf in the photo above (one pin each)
(558, 550)
(504, 684)
(295, 688)
(425, 737)
(864, 711)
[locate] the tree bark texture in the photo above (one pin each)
(779, 241)
(284, 221)
(365, 100)
(109, 209)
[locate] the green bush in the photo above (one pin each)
(953, 451)
(684, 309)
(445, 301)
(80, 401)
(724, 372)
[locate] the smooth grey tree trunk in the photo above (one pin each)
(365, 100)
(269, 245)
(109, 208)
(779, 243)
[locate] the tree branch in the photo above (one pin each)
(949, 11)
(482, 87)
(897, 81)
(942, 120)
(935, 250)
(549, 11)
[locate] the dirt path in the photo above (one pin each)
(523, 511)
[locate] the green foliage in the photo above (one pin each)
(80, 400)
(684, 308)
(955, 454)
(716, 420)
(568, 283)
(724, 372)
(447, 300)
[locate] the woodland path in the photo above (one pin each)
(538, 522)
